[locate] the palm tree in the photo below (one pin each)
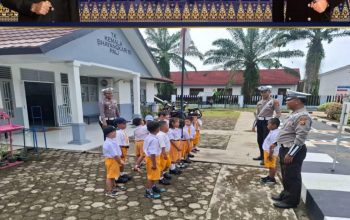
(315, 53)
(165, 49)
(247, 50)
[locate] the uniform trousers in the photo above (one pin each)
(261, 128)
(291, 175)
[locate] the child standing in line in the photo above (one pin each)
(140, 133)
(152, 151)
(113, 162)
(192, 133)
(186, 140)
(271, 150)
(123, 141)
(161, 116)
(175, 147)
(165, 161)
(197, 124)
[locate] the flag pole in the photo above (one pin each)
(183, 71)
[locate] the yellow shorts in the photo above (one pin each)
(185, 148)
(139, 148)
(153, 174)
(269, 163)
(165, 164)
(124, 153)
(190, 148)
(112, 168)
(196, 138)
(174, 153)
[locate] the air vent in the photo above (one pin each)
(64, 78)
(5, 72)
(84, 80)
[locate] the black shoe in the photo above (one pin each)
(167, 176)
(121, 179)
(262, 163)
(284, 205)
(155, 189)
(175, 172)
(187, 161)
(126, 176)
(190, 155)
(164, 181)
(268, 180)
(263, 179)
(277, 198)
(257, 158)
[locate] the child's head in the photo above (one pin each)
(174, 123)
(121, 123)
(182, 123)
(109, 132)
(164, 126)
(153, 127)
(137, 121)
(167, 115)
(273, 123)
(149, 118)
(161, 116)
(188, 120)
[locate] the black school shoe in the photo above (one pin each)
(190, 155)
(175, 172)
(126, 176)
(164, 181)
(167, 176)
(284, 205)
(268, 180)
(258, 158)
(122, 179)
(155, 189)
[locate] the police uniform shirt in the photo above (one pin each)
(164, 141)
(266, 107)
(122, 138)
(64, 10)
(151, 146)
(140, 132)
(108, 108)
(295, 129)
(110, 148)
(271, 139)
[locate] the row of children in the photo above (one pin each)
(163, 144)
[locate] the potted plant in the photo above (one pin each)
(3, 153)
(22, 155)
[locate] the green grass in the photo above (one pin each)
(227, 113)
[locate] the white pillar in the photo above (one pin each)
(241, 101)
(137, 95)
(1, 104)
(19, 94)
(78, 125)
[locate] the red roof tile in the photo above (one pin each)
(30, 37)
(221, 77)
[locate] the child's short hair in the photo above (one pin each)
(172, 121)
(182, 123)
(189, 118)
(162, 113)
(275, 121)
(152, 126)
(137, 121)
(162, 123)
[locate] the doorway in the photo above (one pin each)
(40, 103)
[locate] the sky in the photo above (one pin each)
(337, 52)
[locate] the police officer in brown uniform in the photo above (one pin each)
(264, 112)
(303, 10)
(292, 152)
(108, 109)
(44, 11)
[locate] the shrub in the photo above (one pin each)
(325, 106)
(333, 110)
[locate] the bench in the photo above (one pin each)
(90, 116)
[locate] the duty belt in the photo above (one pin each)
(264, 118)
(110, 119)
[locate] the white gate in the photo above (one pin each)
(7, 98)
(64, 111)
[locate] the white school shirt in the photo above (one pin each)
(174, 134)
(151, 145)
(164, 141)
(186, 135)
(270, 139)
(192, 131)
(111, 148)
(200, 123)
(140, 132)
(122, 138)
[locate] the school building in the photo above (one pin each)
(196, 82)
(335, 82)
(57, 74)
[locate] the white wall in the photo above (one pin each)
(124, 92)
(151, 91)
(329, 82)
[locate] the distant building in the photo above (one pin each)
(208, 81)
(335, 82)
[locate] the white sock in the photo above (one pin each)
(172, 167)
(123, 173)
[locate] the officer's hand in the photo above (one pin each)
(41, 8)
(319, 5)
(154, 167)
(288, 159)
(253, 129)
(165, 157)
